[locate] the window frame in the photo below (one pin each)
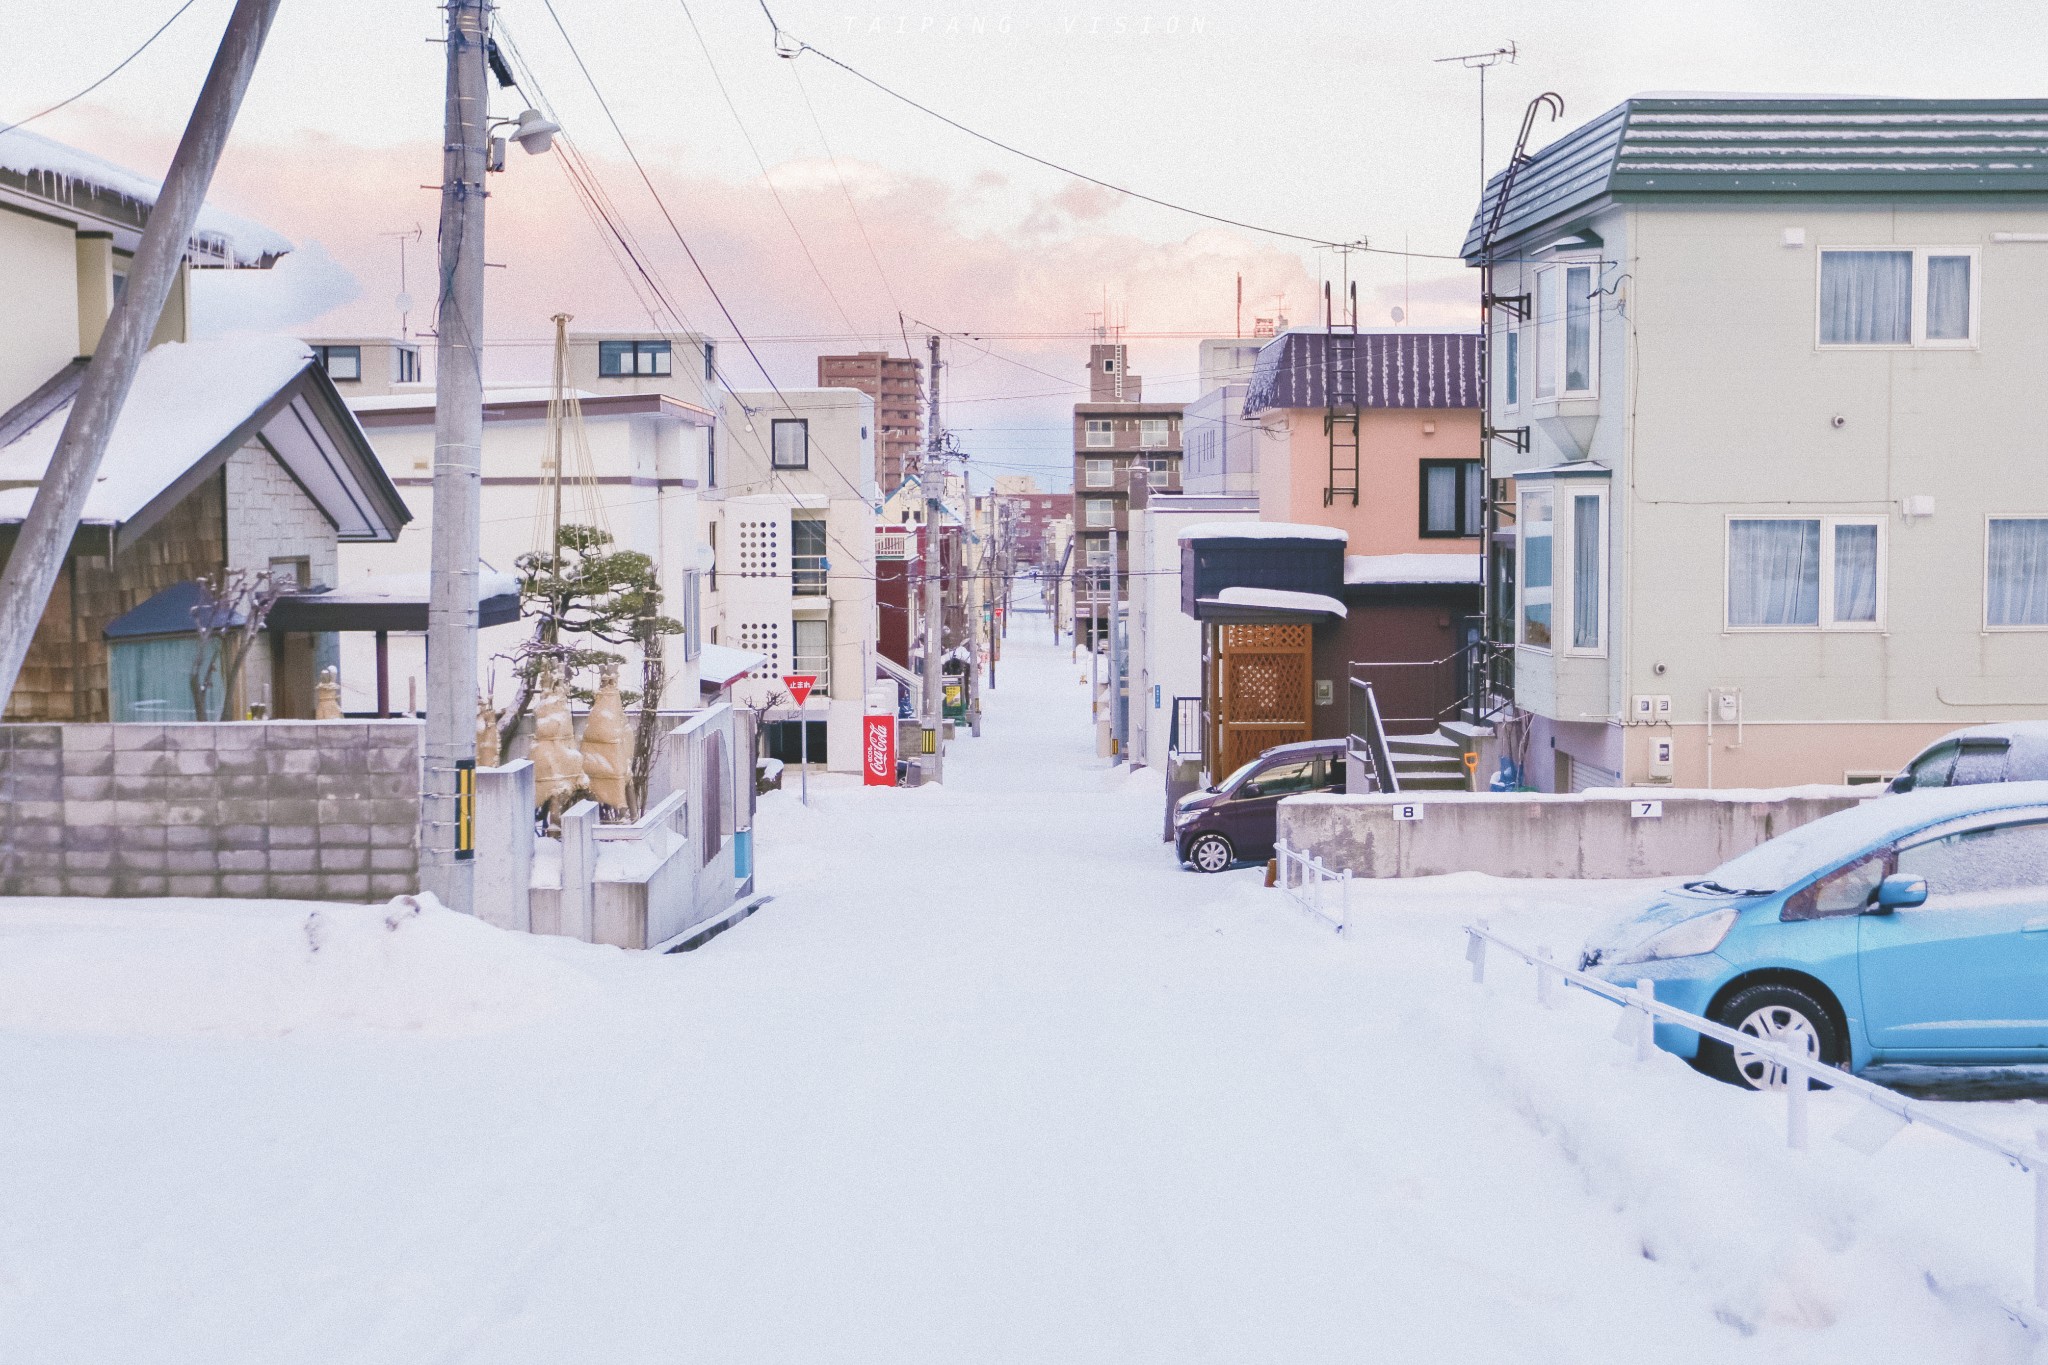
(634, 351)
(1462, 511)
(327, 355)
(1564, 531)
(1098, 426)
(1107, 506)
(1985, 606)
(1089, 471)
(1917, 338)
(775, 427)
(1511, 368)
(1150, 426)
(405, 364)
(1826, 607)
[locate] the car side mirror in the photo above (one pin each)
(1900, 891)
(1902, 783)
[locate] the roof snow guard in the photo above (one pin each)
(1721, 145)
(1395, 370)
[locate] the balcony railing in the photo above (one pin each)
(817, 665)
(807, 575)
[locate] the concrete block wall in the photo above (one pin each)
(1529, 834)
(316, 810)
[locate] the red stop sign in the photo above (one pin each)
(799, 685)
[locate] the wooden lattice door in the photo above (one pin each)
(1264, 688)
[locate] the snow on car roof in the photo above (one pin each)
(1781, 861)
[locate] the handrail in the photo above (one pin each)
(1375, 738)
(1642, 1001)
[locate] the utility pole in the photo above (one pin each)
(53, 515)
(446, 868)
(1118, 741)
(934, 581)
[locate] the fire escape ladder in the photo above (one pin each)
(1340, 392)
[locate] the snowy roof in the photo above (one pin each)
(721, 664)
(197, 401)
(1360, 570)
(60, 174)
(1280, 599)
(1261, 530)
(1431, 370)
(1744, 145)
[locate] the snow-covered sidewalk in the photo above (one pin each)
(989, 1080)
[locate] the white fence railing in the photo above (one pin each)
(1314, 887)
(1889, 1111)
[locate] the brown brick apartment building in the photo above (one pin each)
(896, 384)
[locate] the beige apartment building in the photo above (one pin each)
(1766, 378)
(1118, 437)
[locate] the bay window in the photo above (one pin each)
(1567, 331)
(1824, 573)
(1534, 528)
(1898, 296)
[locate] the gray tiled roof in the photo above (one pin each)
(1725, 146)
(1395, 370)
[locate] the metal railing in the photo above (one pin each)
(1312, 885)
(1866, 1133)
(1368, 742)
(818, 666)
(1184, 733)
(1480, 677)
(807, 575)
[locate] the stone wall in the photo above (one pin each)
(318, 810)
(1529, 834)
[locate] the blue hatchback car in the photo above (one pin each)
(1910, 929)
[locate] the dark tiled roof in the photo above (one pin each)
(1395, 370)
(1727, 146)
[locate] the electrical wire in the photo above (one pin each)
(802, 47)
(69, 99)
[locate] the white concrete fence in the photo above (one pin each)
(1887, 1113)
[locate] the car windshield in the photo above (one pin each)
(1231, 781)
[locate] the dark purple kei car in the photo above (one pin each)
(1238, 818)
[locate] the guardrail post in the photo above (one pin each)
(1344, 902)
(1796, 1084)
(2041, 1220)
(1646, 1031)
(1543, 977)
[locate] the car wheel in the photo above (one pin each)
(1211, 853)
(1789, 1017)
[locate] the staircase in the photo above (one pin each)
(1428, 763)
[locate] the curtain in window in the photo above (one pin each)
(1536, 569)
(792, 445)
(1511, 361)
(1948, 298)
(1578, 329)
(1440, 499)
(1855, 574)
(1585, 571)
(1475, 498)
(1866, 298)
(2017, 574)
(1773, 573)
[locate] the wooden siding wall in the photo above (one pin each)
(65, 675)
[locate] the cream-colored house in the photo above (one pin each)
(1766, 378)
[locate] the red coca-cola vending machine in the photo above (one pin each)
(878, 751)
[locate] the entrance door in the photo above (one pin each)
(1264, 688)
(1967, 972)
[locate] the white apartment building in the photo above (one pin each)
(790, 528)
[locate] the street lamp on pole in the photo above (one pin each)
(449, 739)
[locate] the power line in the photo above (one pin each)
(110, 75)
(798, 47)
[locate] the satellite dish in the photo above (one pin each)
(1400, 314)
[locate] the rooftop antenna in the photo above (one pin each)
(1480, 62)
(405, 238)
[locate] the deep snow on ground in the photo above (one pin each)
(989, 1080)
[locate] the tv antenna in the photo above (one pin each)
(1482, 62)
(405, 239)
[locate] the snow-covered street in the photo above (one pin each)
(990, 1079)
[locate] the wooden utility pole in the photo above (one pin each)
(53, 516)
(934, 581)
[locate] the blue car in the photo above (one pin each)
(1909, 929)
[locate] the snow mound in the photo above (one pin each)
(264, 969)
